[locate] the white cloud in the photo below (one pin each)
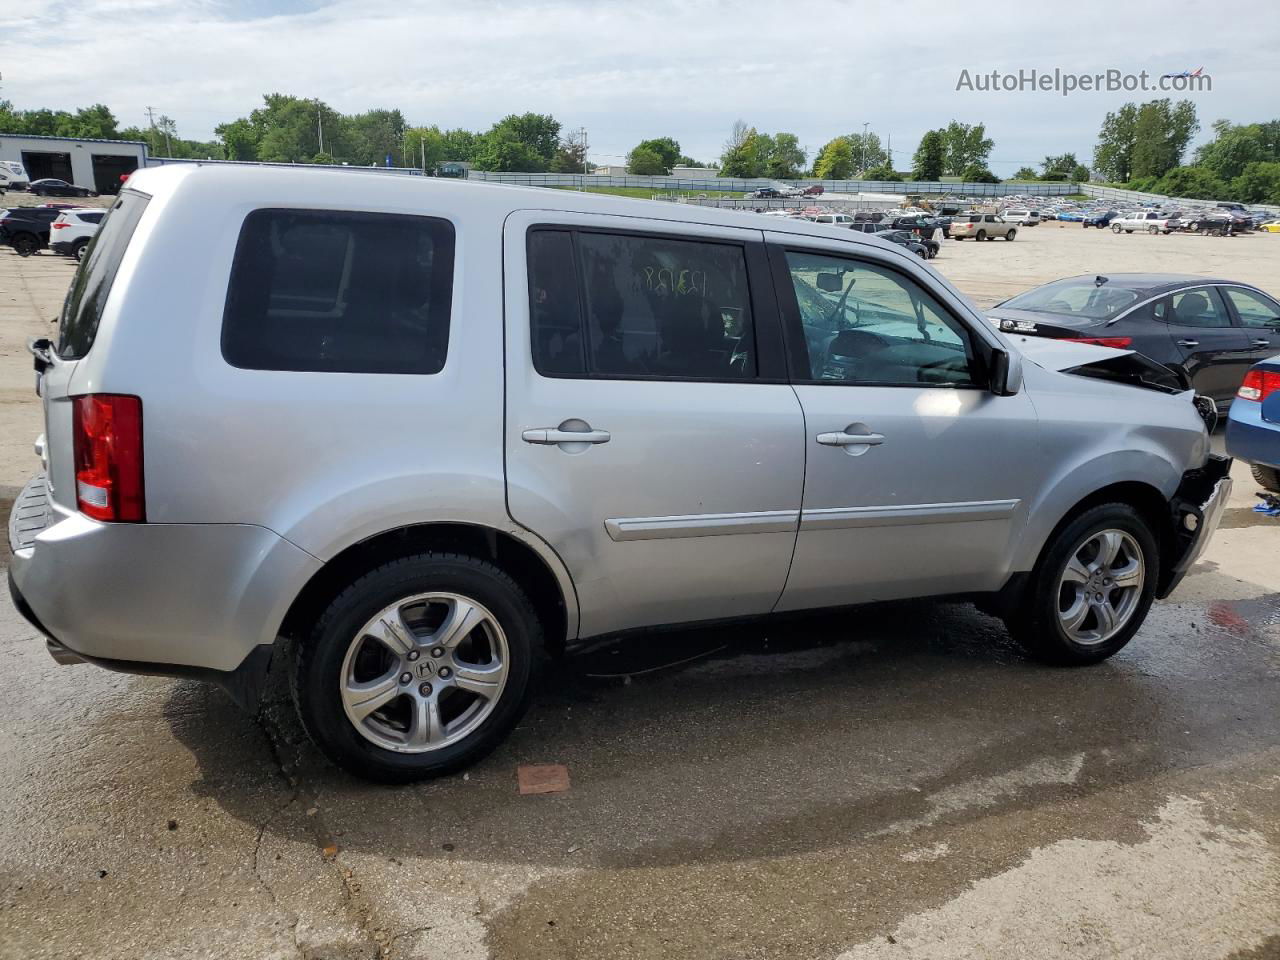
(627, 71)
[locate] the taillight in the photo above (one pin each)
(1120, 343)
(59, 226)
(1258, 385)
(107, 432)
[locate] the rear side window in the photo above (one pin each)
(336, 291)
(91, 217)
(82, 310)
(622, 306)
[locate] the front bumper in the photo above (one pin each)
(180, 599)
(1196, 509)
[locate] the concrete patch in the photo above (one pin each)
(1197, 888)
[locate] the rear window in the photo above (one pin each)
(1075, 297)
(91, 217)
(335, 291)
(82, 310)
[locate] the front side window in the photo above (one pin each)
(1253, 309)
(1192, 308)
(338, 291)
(621, 306)
(867, 324)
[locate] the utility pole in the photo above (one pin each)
(151, 122)
(862, 161)
(585, 166)
(320, 127)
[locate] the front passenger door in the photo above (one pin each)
(917, 476)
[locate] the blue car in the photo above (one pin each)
(1253, 424)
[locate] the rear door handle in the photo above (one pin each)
(842, 439)
(554, 435)
(1262, 343)
(1188, 343)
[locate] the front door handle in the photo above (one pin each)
(1262, 343)
(842, 439)
(552, 435)
(1188, 343)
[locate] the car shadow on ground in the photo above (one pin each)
(709, 745)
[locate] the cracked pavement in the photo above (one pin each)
(897, 781)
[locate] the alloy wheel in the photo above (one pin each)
(424, 672)
(1100, 587)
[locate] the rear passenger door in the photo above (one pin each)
(651, 436)
(1214, 352)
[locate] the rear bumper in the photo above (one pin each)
(61, 247)
(197, 600)
(1249, 437)
(1196, 508)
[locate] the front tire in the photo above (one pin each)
(419, 668)
(1268, 477)
(1011, 234)
(1091, 589)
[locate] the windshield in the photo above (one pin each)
(1076, 297)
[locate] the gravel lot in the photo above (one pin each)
(894, 783)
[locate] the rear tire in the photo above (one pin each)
(25, 244)
(1268, 477)
(982, 234)
(353, 653)
(78, 250)
(1059, 619)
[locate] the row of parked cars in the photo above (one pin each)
(62, 228)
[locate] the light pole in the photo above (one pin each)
(862, 160)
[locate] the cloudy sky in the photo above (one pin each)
(627, 71)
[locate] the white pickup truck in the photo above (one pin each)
(1147, 220)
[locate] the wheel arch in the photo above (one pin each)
(549, 589)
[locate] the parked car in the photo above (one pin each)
(1253, 423)
(71, 232)
(839, 219)
(920, 225)
(764, 193)
(1148, 221)
(1271, 226)
(923, 247)
(815, 190)
(1024, 218)
(1100, 220)
(524, 354)
(1209, 331)
(50, 187)
(26, 229)
(982, 226)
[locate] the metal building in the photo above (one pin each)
(96, 164)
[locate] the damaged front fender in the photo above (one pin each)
(1195, 512)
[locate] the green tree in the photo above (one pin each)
(1161, 133)
(1196, 183)
(1235, 147)
(882, 172)
(664, 148)
(745, 153)
(977, 173)
(867, 151)
(646, 161)
(571, 156)
(424, 147)
(835, 160)
(1025, 173)
(239, 139)
(965, 146)
(524, 142)
(461, 145)
(1259, 182)
(1113, 153)
(1063, 167)
(371, 135)
(786, 158)
(930, 160)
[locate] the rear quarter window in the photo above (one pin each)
(82, 310)
(336, 291)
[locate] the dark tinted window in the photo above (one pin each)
(339, 291)
(632, 306)
(91, 217)
(83, 307)
(1193, 308)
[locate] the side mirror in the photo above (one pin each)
(829, 283)
(1005, 373)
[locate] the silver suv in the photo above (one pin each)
(427, 431)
